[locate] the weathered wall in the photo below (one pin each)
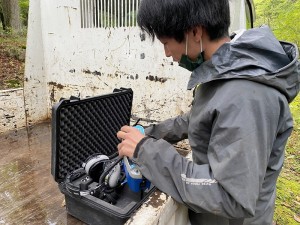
(12, 110)
(65, 60)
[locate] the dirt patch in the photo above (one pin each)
(12, 64)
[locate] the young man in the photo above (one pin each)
(240, 120)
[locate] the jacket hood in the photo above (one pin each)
(255, 55)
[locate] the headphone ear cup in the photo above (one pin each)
(97, 169)
(114, 176)
(94, 166)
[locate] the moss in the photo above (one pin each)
(14, 83)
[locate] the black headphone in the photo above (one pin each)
(94, 166)
(97, 168)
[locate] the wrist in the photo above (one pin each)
(138, 146)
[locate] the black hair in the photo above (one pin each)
(172, 18)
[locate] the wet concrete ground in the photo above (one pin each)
(28, 192)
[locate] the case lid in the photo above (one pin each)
(83, 127)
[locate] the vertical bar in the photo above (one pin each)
(96, 11)
(111, 13)
(88, 13)
(126, 12)
(122, 12)
(101, 11)
(81, 20)
(115, 13)
(118, 13)
(83, 13)
(93, 12)
(136, 11)
(105, 15)
(129, 13)
(108, 18)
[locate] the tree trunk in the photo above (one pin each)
(2, 16)
(11, 14)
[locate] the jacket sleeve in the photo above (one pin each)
(238, 152)
(171, 130)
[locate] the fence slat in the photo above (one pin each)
(108, 13)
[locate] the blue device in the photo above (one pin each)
(135, 180)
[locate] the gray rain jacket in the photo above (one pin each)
(237, 128)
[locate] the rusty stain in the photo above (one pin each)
(87, 71)
(98, 73)
(122, 74)
(52, 95)
(156, 79)
(8, 116)
(59, 86)
(155, 200)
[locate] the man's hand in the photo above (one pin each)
(130, 137)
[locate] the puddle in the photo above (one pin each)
(28, 192)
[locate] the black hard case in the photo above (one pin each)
(81, 128)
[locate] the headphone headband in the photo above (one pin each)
(90, 161)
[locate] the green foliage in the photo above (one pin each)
(288, 185)
(282, 16)
(14, 83)
(24, 7)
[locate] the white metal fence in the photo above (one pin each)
(108, 13)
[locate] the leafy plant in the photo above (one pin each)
(14, 84)
(287, 209)
(282, 16)
(24, 7)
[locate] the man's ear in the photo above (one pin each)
(197, 33)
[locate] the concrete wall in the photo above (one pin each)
(65, 60)
(12, 111)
